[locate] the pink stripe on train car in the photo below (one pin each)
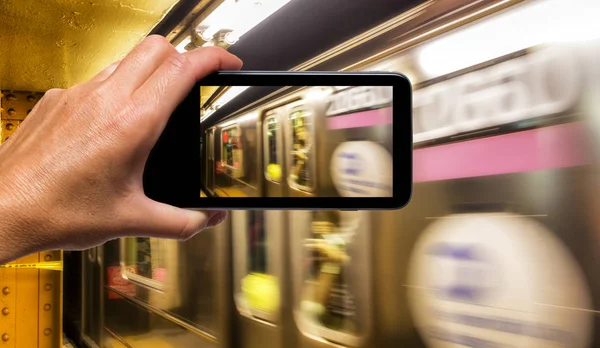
(361, 119)
(537, 149)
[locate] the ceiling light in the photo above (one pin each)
(181, 46)
(225, 98)
(237, 16)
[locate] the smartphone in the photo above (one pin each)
(287, 140)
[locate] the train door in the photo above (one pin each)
(273, 154)
(300, 149)
(83, 302)
(168, 293)
(92, 285)
(210, 160)
(259, 249)
(332, 270)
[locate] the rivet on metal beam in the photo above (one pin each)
(11, 112)
(47, 287)
(48, 257)
(10, 97)
(5, 337)
(5, 311)
(47, 307)
(6, 290)
(47, 332)
(30, 98)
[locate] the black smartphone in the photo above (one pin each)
(287, 140)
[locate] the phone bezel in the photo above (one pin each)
(178, 148)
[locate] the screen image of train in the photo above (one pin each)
(321, 141)
(499, 246)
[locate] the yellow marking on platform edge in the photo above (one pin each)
(51, 266)
(231, 192)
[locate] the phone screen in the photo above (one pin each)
(317, 141)
(321, 140)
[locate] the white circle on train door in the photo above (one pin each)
(362, 169)
(497, 280)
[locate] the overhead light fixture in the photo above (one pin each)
(225, 98)
(220, 18)
(208, 33)
(237, 17)
(231, 93)
(231, 38)
(206, 113)
(524, 26)
(181, 47)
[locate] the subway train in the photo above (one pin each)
(497, 248)
(286, 147)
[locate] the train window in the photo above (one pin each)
(332, 278)
(144, 261)
(256, 244)
(231, 138)
(301, 174)
(174, 277)
(272, 141)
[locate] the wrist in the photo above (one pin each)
(13, 229)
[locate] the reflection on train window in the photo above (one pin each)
(232, 146)
(330, 295)
(174, 277)
(146, 256)
(272, 160)
(300, 176)
(257, 286)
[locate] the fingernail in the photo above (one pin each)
(216, 219)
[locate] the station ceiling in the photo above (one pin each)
(58, 43)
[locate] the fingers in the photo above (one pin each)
(141, 63)
(173, 80)
(210, 59)
(105, 73)
(154, 219)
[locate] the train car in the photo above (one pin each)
(285, 148)
(497, 246)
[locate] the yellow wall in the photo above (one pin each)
(58, 43)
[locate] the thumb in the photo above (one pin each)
(159, 220)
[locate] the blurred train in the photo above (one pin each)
(287, 146)
(498, 247)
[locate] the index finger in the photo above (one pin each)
(172, 81)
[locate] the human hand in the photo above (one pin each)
(72, 173)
